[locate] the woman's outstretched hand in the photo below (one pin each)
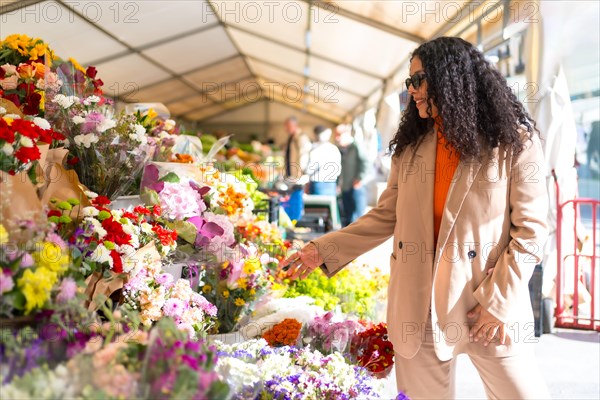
(302, 263)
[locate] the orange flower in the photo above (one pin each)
(183, 158)
(285, 333)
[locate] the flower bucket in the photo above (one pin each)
(227, 338)
(126, 202)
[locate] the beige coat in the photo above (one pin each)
(491, 237)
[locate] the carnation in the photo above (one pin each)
(174, 307)
(67, 290)
(41, 122)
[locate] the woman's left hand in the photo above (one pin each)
(487, 327)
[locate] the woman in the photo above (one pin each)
(466, 203)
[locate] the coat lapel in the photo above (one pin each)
(459, 188)
(424, 164)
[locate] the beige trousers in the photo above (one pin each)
(426, 377)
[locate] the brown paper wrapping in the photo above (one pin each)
(100, 288)
(18, 201)
(40, 176)
(11, 108)
(62, 184)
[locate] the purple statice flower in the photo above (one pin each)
(165, 279)
(402, 396)
(6, 282)
(66, 290)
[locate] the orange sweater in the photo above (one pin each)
(446, 161)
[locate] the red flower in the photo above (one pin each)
(49, 135)
(117, 262)
(2, 73)
(166, 236)
(14, 98)
(27, 154)
(141, 210)
(26, 128)
(91, 72)
(32, 104)
(6, 134)
(101, 201)
(156, 210)
(130, 215)
(73, 160)
(54, 213)
(115, 233)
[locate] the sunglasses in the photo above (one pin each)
(415, 80)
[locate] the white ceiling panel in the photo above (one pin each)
(264, 50)
(227, 71)
(254, 112)
(66, 33)
(328, 93)
(140, 22)
(186, 105)
(271, 73)
(203, 113)
(193, 51)
(328, 72)
(269, 18)
(119, 77)
(167, 91)
(243, 91)
(385, 50)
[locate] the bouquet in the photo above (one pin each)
(327, 336)
(32, 270)
(372, 350)
(19, 140)
(162, 134)
(107, 152)
(25, 72)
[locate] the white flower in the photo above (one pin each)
(11, 116)
(106, 125)
(169, 124)
(90, 211)
(65, 101)
(78, 120)
(164, 135)
(7, 149)
(139, 129)
(97, 227)
(2, 110)
(9, 69)
(146, 227)
(86, 140)
(90, 194)
(101, 255)
(92, 99)
(26, 142)
(41, 122)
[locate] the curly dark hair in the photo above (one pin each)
(478, 110)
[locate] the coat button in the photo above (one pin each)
(472, 254)
(400, 245)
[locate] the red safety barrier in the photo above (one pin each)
(570, 315)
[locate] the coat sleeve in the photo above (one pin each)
(528, 202)
(341, 247)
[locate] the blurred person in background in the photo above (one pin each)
(354, 171)
(325, 164)
(297, 149)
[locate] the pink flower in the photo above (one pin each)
(204, 304)
(174, 308)
(180, 201)
(6, 282)
(67, 290)
(9, 83)
(165, 279)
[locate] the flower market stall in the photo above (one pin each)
(178, 293)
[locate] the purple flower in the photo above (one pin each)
(67, 290)
(92, 120)
(53, 237)
(27, 261)
(204, 304)
(190, 362)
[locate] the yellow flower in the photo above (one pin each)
(206, 288)
(36, 287)
(226, 293)
(152, 114)
(252, 292)
(239, 302)
(3, 235)
(39, 50)
(251, 266)
(77, 65)
(242, 283)
(49, 255)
